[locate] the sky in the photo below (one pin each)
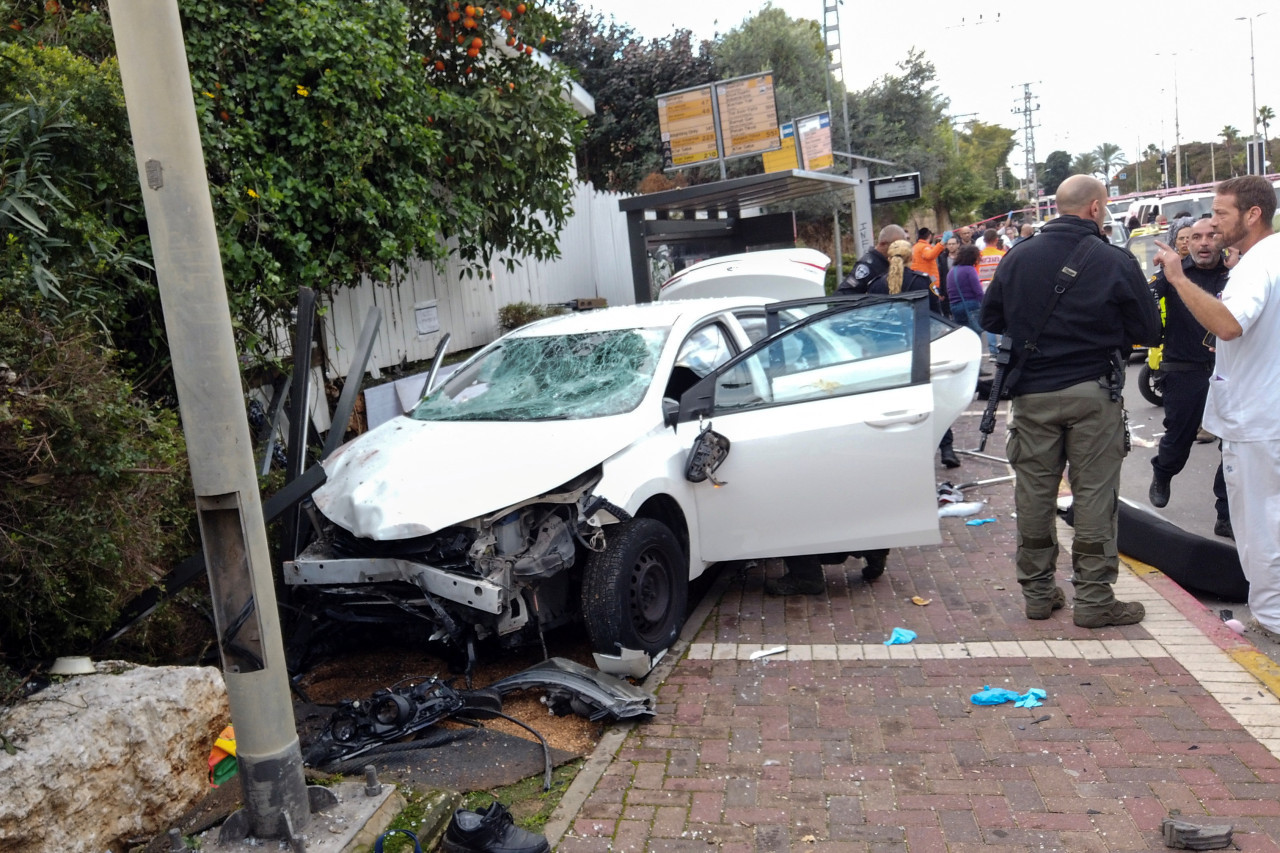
(1099, 72)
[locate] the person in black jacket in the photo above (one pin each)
(874, 262)
(1066, 406)
(1186, 363)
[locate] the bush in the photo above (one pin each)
(519, 314)
(95, 494)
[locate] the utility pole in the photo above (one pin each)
(1178, 132)
(835, 71)
(193, 295)
(1027, 110)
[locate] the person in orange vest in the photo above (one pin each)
(924, 254)
(987, 261)
(991, 255)
(924, 260)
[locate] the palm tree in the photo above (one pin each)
(1230, 136)
(1265, 115)
(1086, 164)
(1107, 154)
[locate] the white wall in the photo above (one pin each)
(594, 262)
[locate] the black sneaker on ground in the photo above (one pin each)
(1222, 527)
(1158, 494)
(490, 830)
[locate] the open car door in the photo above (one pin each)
(820, 437)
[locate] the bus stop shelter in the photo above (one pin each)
(710, 216)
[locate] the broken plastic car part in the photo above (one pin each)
(587, 692)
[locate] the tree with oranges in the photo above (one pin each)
(344, 138)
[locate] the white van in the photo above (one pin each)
(1161, 210)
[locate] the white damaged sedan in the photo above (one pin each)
(585, 468)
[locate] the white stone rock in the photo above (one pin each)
(106, 758)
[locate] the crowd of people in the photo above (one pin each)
(1069, 305)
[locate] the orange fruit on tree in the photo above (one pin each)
(439, 67)
(477, 42)
(511, 41)
(453, 15)
(469, 23)
(528, 49)
(520, 8)
(506, 14)
(473, 52)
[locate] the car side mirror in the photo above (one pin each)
(709, 451)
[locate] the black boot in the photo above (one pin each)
(1158, 494)
(803, 577)
(875, 563)
(949, 458)
(490, 830)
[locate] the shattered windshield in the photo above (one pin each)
(550, 377)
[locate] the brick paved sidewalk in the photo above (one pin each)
(844, 744)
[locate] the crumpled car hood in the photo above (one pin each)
(409, 478)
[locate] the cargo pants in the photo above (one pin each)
(1081, 429)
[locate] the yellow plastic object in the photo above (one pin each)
(1154, 354)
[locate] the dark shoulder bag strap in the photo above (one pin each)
(1009, 363)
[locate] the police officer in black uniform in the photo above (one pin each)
(873, 263)
(1186, 363)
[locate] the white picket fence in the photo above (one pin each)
(594, 262)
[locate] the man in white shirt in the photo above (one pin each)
(1245, 385)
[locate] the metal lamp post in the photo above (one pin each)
(1253, 161)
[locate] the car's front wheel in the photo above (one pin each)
(634, 592)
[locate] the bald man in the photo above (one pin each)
(1186, 363)
(1065, 378)
(874, 263)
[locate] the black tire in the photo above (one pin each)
(634, 592)
(1151, 385)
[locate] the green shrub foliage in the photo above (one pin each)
(94, 489)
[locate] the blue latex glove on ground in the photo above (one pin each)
(989, 695)
(979, 521)
(900, 635)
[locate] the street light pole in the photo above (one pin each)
(1253, 80)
